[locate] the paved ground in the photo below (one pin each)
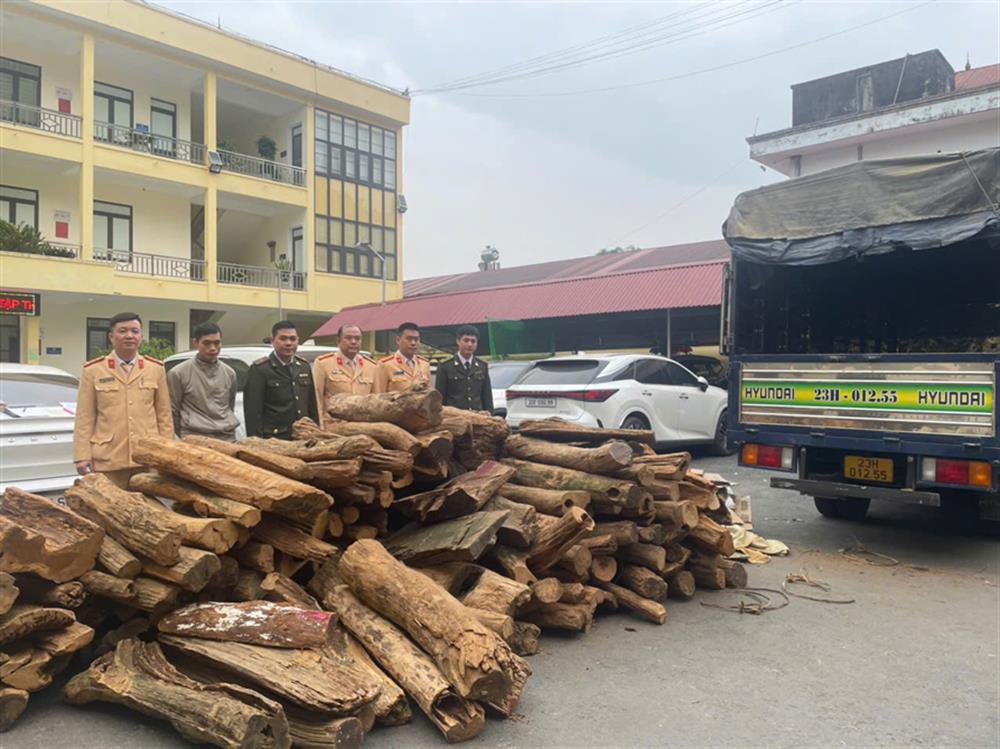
(915, 661)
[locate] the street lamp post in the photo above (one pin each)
(368, 248)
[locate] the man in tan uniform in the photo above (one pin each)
(345, 371)
(123, 396)
(404, 369)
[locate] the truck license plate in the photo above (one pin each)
(861, 468)
(540, 402)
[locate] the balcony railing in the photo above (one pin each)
(264, 168)
(49, 249)
(146, 142)
(49, 120)
(254, 275)
(147, 264)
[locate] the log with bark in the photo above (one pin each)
(118, 560)
(282, 589)
(681, 585)
(577, 560)
(477, 435)
(624, 532)
(255, 555)
(120, 589)
(558, 430)
(643, 581)
(192, 498)
(457, 718)
(478, 663)
(307, 678)
(284, 465)
(389, 436)
(555, 539)
(709, 536)
(40, 536)
(646, 555)
(25, 619)
(69, 595)
(336, 474)
(524, 641)
(192, 573)
(546, 501)
(603, 568)
(391, 708)
(12, 705)
(736, 573)
(230, 477)
(520, 527)
(463, 539)
(606, 459)
(600, 488)
(59, 642)
(572, 617)
(254, 622)
(460, 496)
(330, 447)
(289, 539)
(154, 596)
(645, 608)
(414, 410)
(493, 592)
(514, 562)
(137, 675)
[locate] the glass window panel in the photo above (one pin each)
(364, 233)
(322, 234)
(121, 234)
(364, 137)
(161, 123)
(336, 129)
(350, 167)
(350, 262)
(5, 211)
(390, 241)
(390, 174)
(18, 193)
(376, 170)
(321, 257)
(365, 263)
(27, 91)
(6, 86)
(390, 268)
(336, 232)
(390, 144)
(123, 113)
(322, 132)
(102, 111)
(101, 232)
(321, 156)
(116, 91)
(335, 156)
(363, 167)
(350, 234)
(337, 261)
(377, 140)
(350, 134)
(376, 267)
(114, 208)
(376, 239)
(24, 213)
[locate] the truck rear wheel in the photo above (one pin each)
(845, 509)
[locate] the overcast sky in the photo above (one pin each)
(543, 175)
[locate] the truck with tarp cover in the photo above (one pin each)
(862, 319)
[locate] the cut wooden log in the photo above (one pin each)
(329, 447)
(389, 436)
(398, 462)
(600, 488)
(435, 444)
(478, 663)
(314, 526)
(32, 674)
(413, 410)
(45, 593)
(555, 539)
(603, 568)
(600, 544)
(314, 731)
(681, 585)
(336, 474)
(577, 560)
(154, 596)
(573, 593)
(118, 560)
(455, 577)
(709, 536)
(281, 589)
(558, 430)
(653, 534)
(610, 457)
(501, 624)
(678, 553)
(460, 496)
(736, 573)
(391, 708)
(64, 641)
(256, 556)
(247, 587)
(520, 527)
(682, 516)
(668, 466)
(704, 498)
(230, 477)
(477, 436)
(573, 617)
(289, 539)
(128, 518)
(643, 581)
(12, 705)
(457, 718)
(646, 555)
(624, 532)
(284, 465)
(192, 573)
(217, 535)
(306, 678)
(137, 675)
(8, 592)
(514, 562)
(190, 496)
(335, 524)
(125, 631)
(223, 580)
(546, 501)
(493, 592)
(40, 536)
(351, 514)
(546, 590)
(649, 610)
(25, 619)
(288, 565)
(524, 641)
(120, 589)
(254, 622)
(463, 539)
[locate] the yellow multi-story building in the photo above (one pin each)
(185, 173)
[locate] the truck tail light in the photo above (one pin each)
(957, 472)
(590, 396)
(768, 456)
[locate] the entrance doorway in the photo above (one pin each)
(10, 339)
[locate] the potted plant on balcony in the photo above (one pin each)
(267, 149)
(27, 239)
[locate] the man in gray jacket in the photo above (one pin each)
(203, 389)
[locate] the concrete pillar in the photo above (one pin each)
(87, 133)
(209, 89)
(309, 225)
(211, 234)
(31, 333)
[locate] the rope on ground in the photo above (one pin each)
(804, 579)
(859, 553)
(753, 601)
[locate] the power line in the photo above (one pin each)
(701, 71)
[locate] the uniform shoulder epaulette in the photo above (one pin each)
(418, 357)
(155, 361)
(386, 359)
(94, 361)
(368, 358)
(261, 360)
(324, 356)
(300, 359)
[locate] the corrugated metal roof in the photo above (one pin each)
(988, 75)
(595, 265)
(693, 285)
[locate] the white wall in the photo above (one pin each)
(243, 133)
(161, 223)
(64, 324)
(243, 237)
(60, 69)
(144, 88)
(56, 192)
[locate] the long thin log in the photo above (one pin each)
(493, 592)
(254, 622)
(120, 589)
(611, 490)
(413, 410)
(648, 610)
(118, 560)
(291, 540)
(192, 573)
(44, 593)
(285, 465)
(610, 457)
(547, 501)
(389, 436)
(558, 430)
(138, 676)
(391, 707)
(643, 581)
(200, 501)
(24, 619)
(45, 538)
(313, 450)
(457, 718)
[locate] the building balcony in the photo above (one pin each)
(254, 166)
(141, 140)
(261, 277)
(149, 264)
(40, 118)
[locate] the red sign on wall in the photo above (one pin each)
(20, 303)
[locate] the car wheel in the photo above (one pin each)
(719, 443)
(635, 421)
(846, 509)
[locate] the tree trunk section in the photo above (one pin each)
(413, 410)
(524, 641)
(120, 589)
(681, 585)
(253, 622)
(460, 496)
(646, 555)
(546, 501)
(329, 447)
(556, 538)
(600, 488)
(520, 527)
(284, 465)
(118, 560)
(624, 532)
(682, 516)
(194, 498)
(649, 610)
(463, 539)
(643, 581)
(289, 539)
(610, 457)
(558, 430)
(712, 537)
(493, 592)
(572, 617)
(603, 568)
(389, 436)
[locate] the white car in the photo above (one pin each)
(503, 374)
(240, 358)
(37, 408)
(625, 391)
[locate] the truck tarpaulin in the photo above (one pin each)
(869, 207)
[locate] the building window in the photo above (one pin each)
(113, 231)
(366, 153)
(112, 114)
(163, 127)
(337, 248)
(97, 336)
(20, 83)
(163, 331)
(19, 206)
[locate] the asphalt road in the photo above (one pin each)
(914, 661)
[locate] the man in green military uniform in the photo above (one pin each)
(464, 380)
(279, 389)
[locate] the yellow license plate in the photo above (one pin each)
(861, 468)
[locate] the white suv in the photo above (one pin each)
(627, 391)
